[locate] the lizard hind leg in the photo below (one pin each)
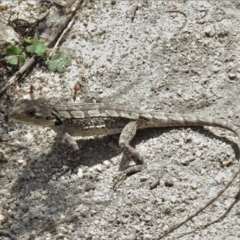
(126, 136)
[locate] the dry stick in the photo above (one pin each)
(27, 65)
(63, 34)
(30, 62)
(61, 221)
(54, 225)
(75, 7)
(205, 206)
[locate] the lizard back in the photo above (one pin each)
(104, 119)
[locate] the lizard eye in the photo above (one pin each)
(31, 113)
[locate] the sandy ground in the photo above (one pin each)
(184, 61)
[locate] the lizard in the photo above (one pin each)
(104, 119)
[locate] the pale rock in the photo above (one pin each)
(7, 37)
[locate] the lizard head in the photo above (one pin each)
(33, 112)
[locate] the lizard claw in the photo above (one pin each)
(118, 180)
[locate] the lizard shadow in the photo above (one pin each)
(38, 178)
(93, 151)
(38, 175)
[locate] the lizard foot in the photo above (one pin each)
(119, 179)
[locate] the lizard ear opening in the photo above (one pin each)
(52, 118)
(49, 118)
(58, 122)
(57, 118)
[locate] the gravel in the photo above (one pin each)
(147, 63)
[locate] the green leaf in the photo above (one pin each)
(16, 60)
(13, 50)
(28, 40)
(59, 62)
(13, 56)
(37, 47)
(13, 61)
(21, 60)
(30, 49)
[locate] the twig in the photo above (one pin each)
(63, 34)
(54, 225)
(205, 206)
(69, 17)
(27, 65)
(30, 62)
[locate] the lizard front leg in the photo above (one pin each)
(74, 154)
(126, 137)
(63, 135)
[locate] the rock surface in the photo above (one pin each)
(7, 37)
